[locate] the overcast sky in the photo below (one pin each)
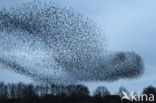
(129, 25)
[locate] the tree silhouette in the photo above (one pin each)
(12, 91)
(101, 91)
(29, 91)
(80, 90)
(149, 90)
(3, 90)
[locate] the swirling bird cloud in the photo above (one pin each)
(54, 44)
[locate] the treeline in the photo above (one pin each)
(22, 93)
(20, 90)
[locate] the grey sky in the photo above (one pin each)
(129, 26)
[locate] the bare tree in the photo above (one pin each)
(101, 91)
(3, 90)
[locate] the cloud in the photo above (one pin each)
(57, 45)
